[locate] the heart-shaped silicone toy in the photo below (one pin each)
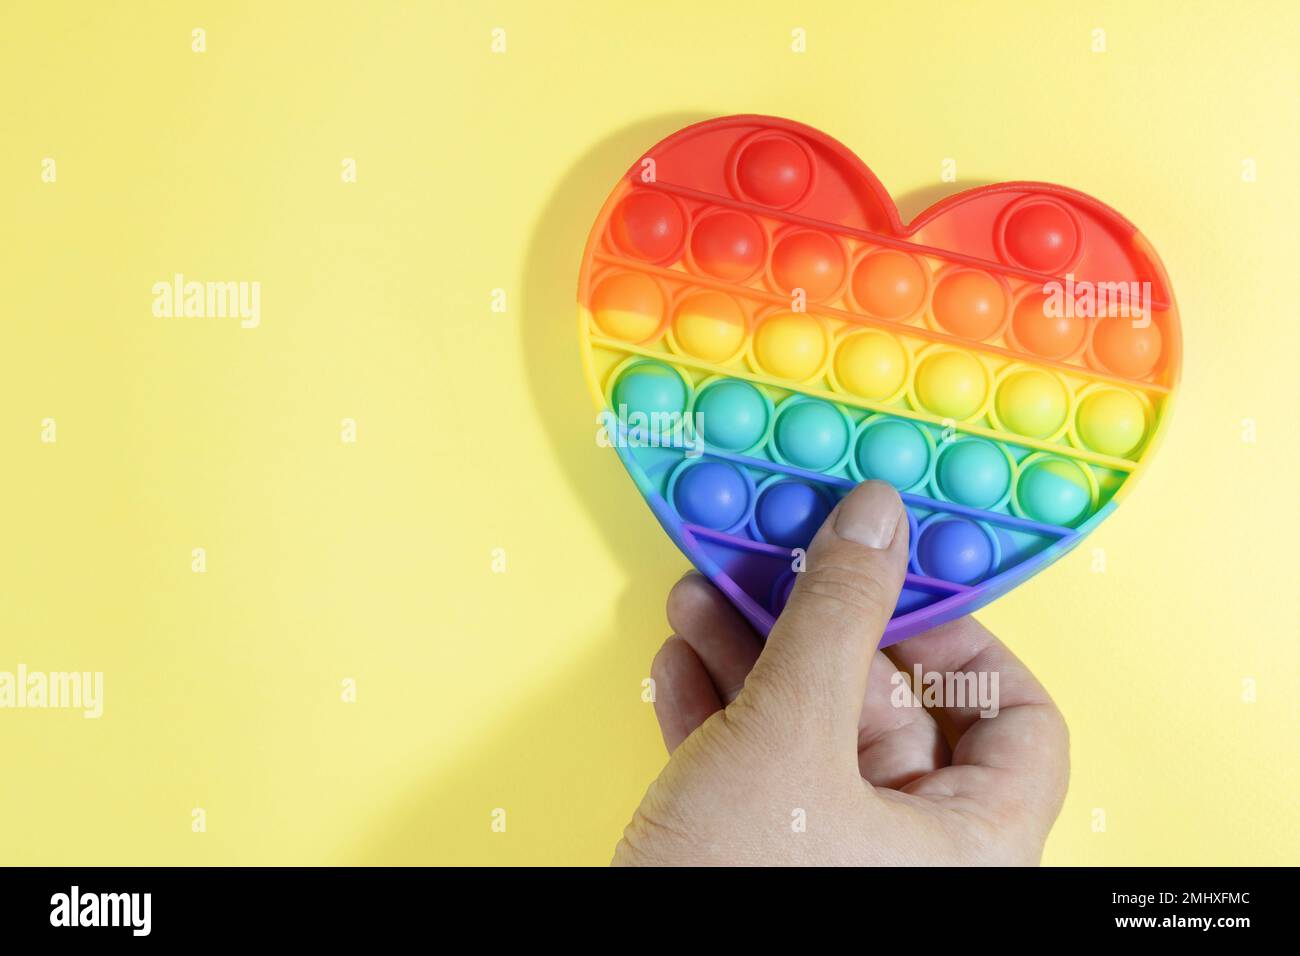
(761, 332)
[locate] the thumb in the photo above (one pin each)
(817, 656)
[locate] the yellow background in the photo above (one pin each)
(373, 561)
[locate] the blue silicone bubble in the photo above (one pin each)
(733, 415)
(955, 549)
(789, 512)
(974, 472)
(812, 434)
(893, 451)
(713, 494)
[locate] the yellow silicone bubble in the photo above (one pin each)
(1032, 402)
(871, 364)
(790, 345)
(951, 384)
(710, 325)
(1112, 422)
(628, 306)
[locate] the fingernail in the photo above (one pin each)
(869, 515)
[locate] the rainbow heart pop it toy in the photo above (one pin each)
(763, 332)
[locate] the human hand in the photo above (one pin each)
(802, 730)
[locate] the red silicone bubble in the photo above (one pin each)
(773, 170)
(1040, 234)
(649, 225)
(727, 245)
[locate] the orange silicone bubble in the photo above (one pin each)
(890, 284)
(1125, 348)
(628, 306)
(969, 303)
(812, 261)
(1039, 331)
